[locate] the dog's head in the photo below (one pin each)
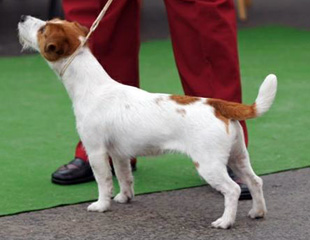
(55, 39)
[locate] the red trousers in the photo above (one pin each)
(204, 39)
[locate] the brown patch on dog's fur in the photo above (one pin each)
(181, 111)
(232, 110)
(196, 164)
(222, 118)
(58, 39)
(184, 100)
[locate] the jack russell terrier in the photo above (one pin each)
(123, 122)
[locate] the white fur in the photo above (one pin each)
(266, 94)
(124, 122)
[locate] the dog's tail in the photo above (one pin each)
(238, 111)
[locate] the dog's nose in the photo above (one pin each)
(23, 18)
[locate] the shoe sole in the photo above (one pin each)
(72, 182)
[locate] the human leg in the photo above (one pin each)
(204, 39)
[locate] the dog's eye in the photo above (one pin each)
(42, 29)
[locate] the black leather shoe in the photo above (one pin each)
(79, 171)
(76, 171)
(245, 192)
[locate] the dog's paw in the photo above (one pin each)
(257, 213)
(98, 207)
(122, 198)
(222, 223)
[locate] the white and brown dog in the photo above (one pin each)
(124, 122)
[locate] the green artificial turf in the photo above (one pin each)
(38, 132)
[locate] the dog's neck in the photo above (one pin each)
(83, 76)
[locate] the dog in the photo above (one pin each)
(123, 122)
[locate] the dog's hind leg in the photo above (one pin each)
(124, 176)
(214, 171)
(239, 162)
(100, 165)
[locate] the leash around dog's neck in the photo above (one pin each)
(91, 30)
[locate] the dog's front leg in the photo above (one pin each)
(102, 171)
(125, 179)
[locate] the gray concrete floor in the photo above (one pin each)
(183, 214)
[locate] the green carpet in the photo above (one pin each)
(38, 132)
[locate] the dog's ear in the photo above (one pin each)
(60, 39)
(83, 29)
(56, 48)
